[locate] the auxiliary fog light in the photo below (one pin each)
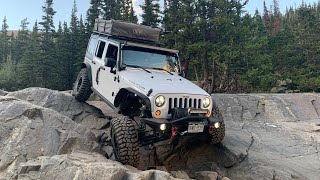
(158, 113)
(163, 127)
(217, 125)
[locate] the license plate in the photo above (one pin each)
(195, 127)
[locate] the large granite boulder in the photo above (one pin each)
(268, 136)
(3, 93)
(84, 165)
(62, 102)
(29, 131)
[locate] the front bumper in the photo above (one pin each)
(178, 127)
(184, 120)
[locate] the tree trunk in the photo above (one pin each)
(214, 76)
(197, 75)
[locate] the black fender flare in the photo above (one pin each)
(88, 67)
(123, 91)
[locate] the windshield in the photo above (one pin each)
(150, 58)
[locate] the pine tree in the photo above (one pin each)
(21, 41)
(171, 22)
(82, 45)
(4, 44)
(29, 71)
(267, 18)
(48, 64)
(93, 13)
(132, 16)
(64, 56)
(110, 9)
(126, 11)
(277, 18)
(151, 11)
(74, 47)
(106, 7)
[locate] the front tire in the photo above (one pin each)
(124, 137)
(82, 88)
(217, 135)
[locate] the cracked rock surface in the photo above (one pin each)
(28, 131)
(47, 134)
(40, 138)
(268, 136)
(61, 102)
(285, 133)
(84, 165)
(65, 104)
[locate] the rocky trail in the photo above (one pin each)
(47, 134)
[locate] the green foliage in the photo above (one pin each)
(93, 13)
(225, 49)
(4, 41)
(21, 42)
(150, 15)
(29, 71)
(7, 75)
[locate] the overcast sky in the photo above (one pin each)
(16, 10)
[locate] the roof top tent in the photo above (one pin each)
(128, 31)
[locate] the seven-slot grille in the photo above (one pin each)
(184, 103)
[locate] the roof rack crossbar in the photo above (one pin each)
(127, 38)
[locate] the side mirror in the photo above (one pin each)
(113, 70)
(110, 62)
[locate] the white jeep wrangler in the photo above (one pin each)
(143, 82)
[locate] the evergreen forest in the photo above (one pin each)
(222, 47)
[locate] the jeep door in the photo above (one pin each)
(106, 74)
(97, 62)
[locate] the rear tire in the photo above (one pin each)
(82, 87)
(124, 137)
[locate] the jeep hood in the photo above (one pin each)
(160, 82)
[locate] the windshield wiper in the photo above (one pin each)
(163, 70)
(138, 67)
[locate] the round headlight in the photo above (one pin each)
(206, 102)
(160, 100)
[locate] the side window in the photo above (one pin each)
(112, 56)
(100, 49)
(112, 52)
(92, 46)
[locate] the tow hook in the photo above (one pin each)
(173, 135)
(183, 133)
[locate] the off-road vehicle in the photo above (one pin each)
(125, 66)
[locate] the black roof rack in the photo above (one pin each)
(127, 31)
(125, 39)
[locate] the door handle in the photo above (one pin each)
(97, 76)
(103, 68)
(93, 62)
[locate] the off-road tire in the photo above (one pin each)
(217, 135)
(124, 138)
(82, 87)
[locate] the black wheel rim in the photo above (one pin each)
(115, 145)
